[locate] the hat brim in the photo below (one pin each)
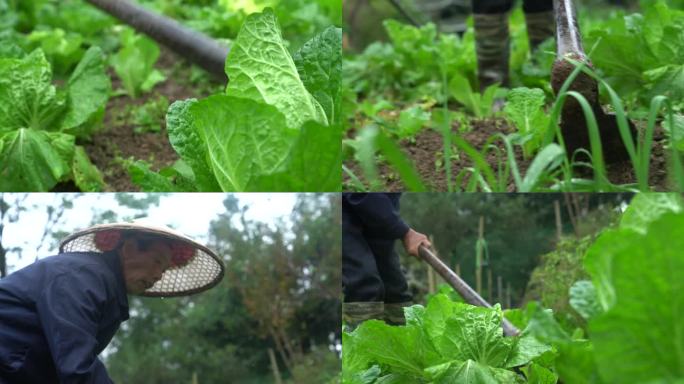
(202, 271)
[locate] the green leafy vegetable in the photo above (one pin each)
(478, 104)
(525, 109)
(238, 155)
(642, 327)
(88, 92)
(445, 342)
(39, 122)
(260, 68)
(642, 54)
(134, 63)
(86, 176)
(27, 97)
(33, 160)
(583, 299)
(411, 121)
(268, 132)
(319, 63)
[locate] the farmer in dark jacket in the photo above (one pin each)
(374, 285)
(59, 313)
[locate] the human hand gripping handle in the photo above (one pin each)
(412, 240)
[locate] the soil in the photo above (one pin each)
(117, 140)
(427, 147)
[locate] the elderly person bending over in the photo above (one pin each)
(59, 313)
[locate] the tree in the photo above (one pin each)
(281, 292)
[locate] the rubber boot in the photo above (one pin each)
(394, 313)
(353, 314)
(540, 26)
(492, 43)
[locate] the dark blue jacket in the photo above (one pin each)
(376, 213)
(57, 315)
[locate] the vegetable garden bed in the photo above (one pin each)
(425, 151)
(416, 120)
(93, 105)
(628, 327)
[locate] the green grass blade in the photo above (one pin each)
(356, 182)
(400, 163)
(594, 141)
(477, 158)
(545, 159)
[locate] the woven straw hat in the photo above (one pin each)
(195, 268)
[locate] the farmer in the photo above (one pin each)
(374, 285)
(59, 313)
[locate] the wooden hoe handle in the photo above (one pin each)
(463, 289)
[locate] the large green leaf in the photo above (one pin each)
(27, 97)
(643, 209)
(470, 372)
(319, 63)
(355, 365)
(243, 139)
(647, 207)
(259, 67)
(575, 360)
(88, 92)
(537, 374)
(404, 349)
(186, 141)
(313, 163)
(34, 160)
(475, 334)
(644, 330)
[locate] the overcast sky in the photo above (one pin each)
(189, 213)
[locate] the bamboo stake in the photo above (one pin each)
(508, 295)
(499, 289)
(478, 258)
(490, 289)
(559, 225)
(274, 366)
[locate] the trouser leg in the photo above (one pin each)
(397, 293)
(360, 276)
(492, 44)
(492, 6)
(540, 21)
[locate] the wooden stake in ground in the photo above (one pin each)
(559, 225)
(274, 367)
(478, 257)
(499, 289)
(490, 289)
(508, 295)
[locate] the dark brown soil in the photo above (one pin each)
(428, 147)
(117, 140)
